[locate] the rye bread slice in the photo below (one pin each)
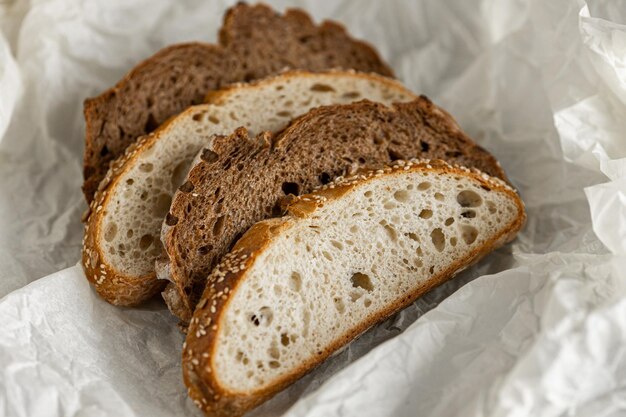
(123, 227)
(296, 289)
(242, 179)
(254, 42)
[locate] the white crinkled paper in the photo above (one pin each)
(538, 328)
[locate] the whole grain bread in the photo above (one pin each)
(295, 289)
(254, 42)
(124, 222)
(242, 179)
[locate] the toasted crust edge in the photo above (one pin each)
(204, 387)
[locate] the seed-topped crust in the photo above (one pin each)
(199, 368)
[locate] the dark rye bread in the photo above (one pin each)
(242, 180)
(254, 42)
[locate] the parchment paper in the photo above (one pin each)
(538, 328)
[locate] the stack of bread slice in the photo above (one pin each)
(283, 194)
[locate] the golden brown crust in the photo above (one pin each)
(114, 286)
(198, 368)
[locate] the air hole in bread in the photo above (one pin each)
(351, 95)
(130, 181)
(453, 154)
(180, 172)
(110, 232)
(151, 124)
(144, 195)
(145, 241)
(401, 196)
(439, 197)
(209, 156)
(425, 146)
(391, 232)
(469, 234)
(146, 167)
(423, 186)
(129, 233)
(203, 250)
(291, 188)
(449, 221)
(360, 280)
(468, 214)
(284, 113)
(412, 236)
(438, 239)
(339, 305)
(276, 210)
(453, 241)
(393, 155)
(324, 178)
(104, 151)
(187, 187)
(273, 351)
(162, 205)
(321, 88)
(367, 302)
(284, 339)
(337, 244)
(327, 255)
(389, 205)
(426, 214)
(295, 281)
(170, 219)
(469, 198)
(491, 207)
(263, 317)
(274, 364)
(218, 226)
(355, 295)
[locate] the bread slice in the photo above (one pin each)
(243, 177)
(254, 42)
(122, 230)
(295, 289)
